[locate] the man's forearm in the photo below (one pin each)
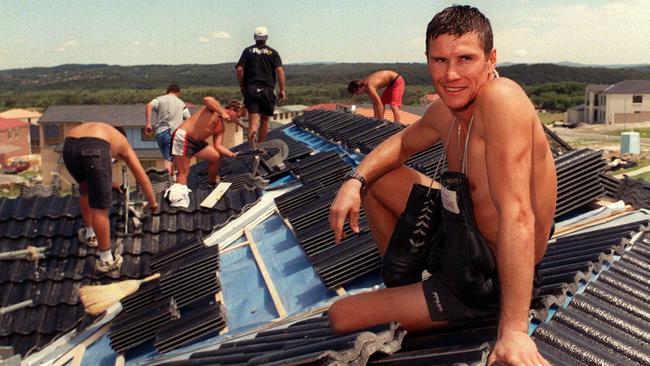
(240, 76)
(515, 261)
(281, 80)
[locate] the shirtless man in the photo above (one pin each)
(87, 152)
(482, 229)
(392, 94)
(189, 139)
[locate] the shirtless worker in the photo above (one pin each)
(87, 152)
(393, 84)
(482, 229)
(189, 139)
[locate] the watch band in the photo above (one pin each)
(353, 174)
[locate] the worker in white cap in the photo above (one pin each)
(258, 69)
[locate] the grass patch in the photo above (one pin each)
(28, 174)
(550, 117)
(644, 176)
(643, 132)
(10, 192)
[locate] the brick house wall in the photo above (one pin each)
(13, 132)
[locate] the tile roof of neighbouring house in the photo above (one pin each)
(20, 113)
(114, 114)
(629, 87)
(596, 87)
(323, 106)
(406, 117)
(7, 123)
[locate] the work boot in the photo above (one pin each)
(87, 237)
(105, 266)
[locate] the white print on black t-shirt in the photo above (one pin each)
(261, 51)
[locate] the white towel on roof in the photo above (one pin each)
(178, 195)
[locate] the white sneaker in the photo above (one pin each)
(89, 240)
(105, 266)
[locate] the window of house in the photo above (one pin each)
(145, 137)
(9, 133)
(637, 98)
(16, 132)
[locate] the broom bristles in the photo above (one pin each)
(97, 298)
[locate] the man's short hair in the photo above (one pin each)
(236, 106)
(354, 86)
(173, 88)
(458, 20)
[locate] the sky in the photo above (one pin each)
(42, 33)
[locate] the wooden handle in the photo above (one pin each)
(154, 276)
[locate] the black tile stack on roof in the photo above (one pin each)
(555, 142)
(608, 323)
(578, 170)
(309, 342)
(466, 344)
(612, 186)
(207, 319)
(297, 150)
(38, 190)
(307, 208)
(149, 313)
(53, 282)
(573, 258)
(578, 179)
(364, 134)
(233, 169)
(635, 192)
(326, 168)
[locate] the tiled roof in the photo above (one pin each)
(569, 263)
(406, 117)
(308, 342)
(7, 123)
(19, 113)
(629, 87)
(114, 114)
(53, 282)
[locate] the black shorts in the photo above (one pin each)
(259, 99)
(444, 304)
(88, 159)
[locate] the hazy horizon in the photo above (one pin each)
(128, 33)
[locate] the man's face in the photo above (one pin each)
(234, 116)
(459, 68)
(362, 90)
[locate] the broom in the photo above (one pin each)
(97, 298)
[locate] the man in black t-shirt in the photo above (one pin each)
(256, 71)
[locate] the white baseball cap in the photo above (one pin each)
(261, 34)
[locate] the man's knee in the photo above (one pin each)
(339, 316)
(394, 278)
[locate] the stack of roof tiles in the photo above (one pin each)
(232, 168)
(151, 313)
(364, 134)
(308, 342)
(307, 209)
(578, 179)
(635, 192)
(40, 190)
(53, 282)
(608, 322)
